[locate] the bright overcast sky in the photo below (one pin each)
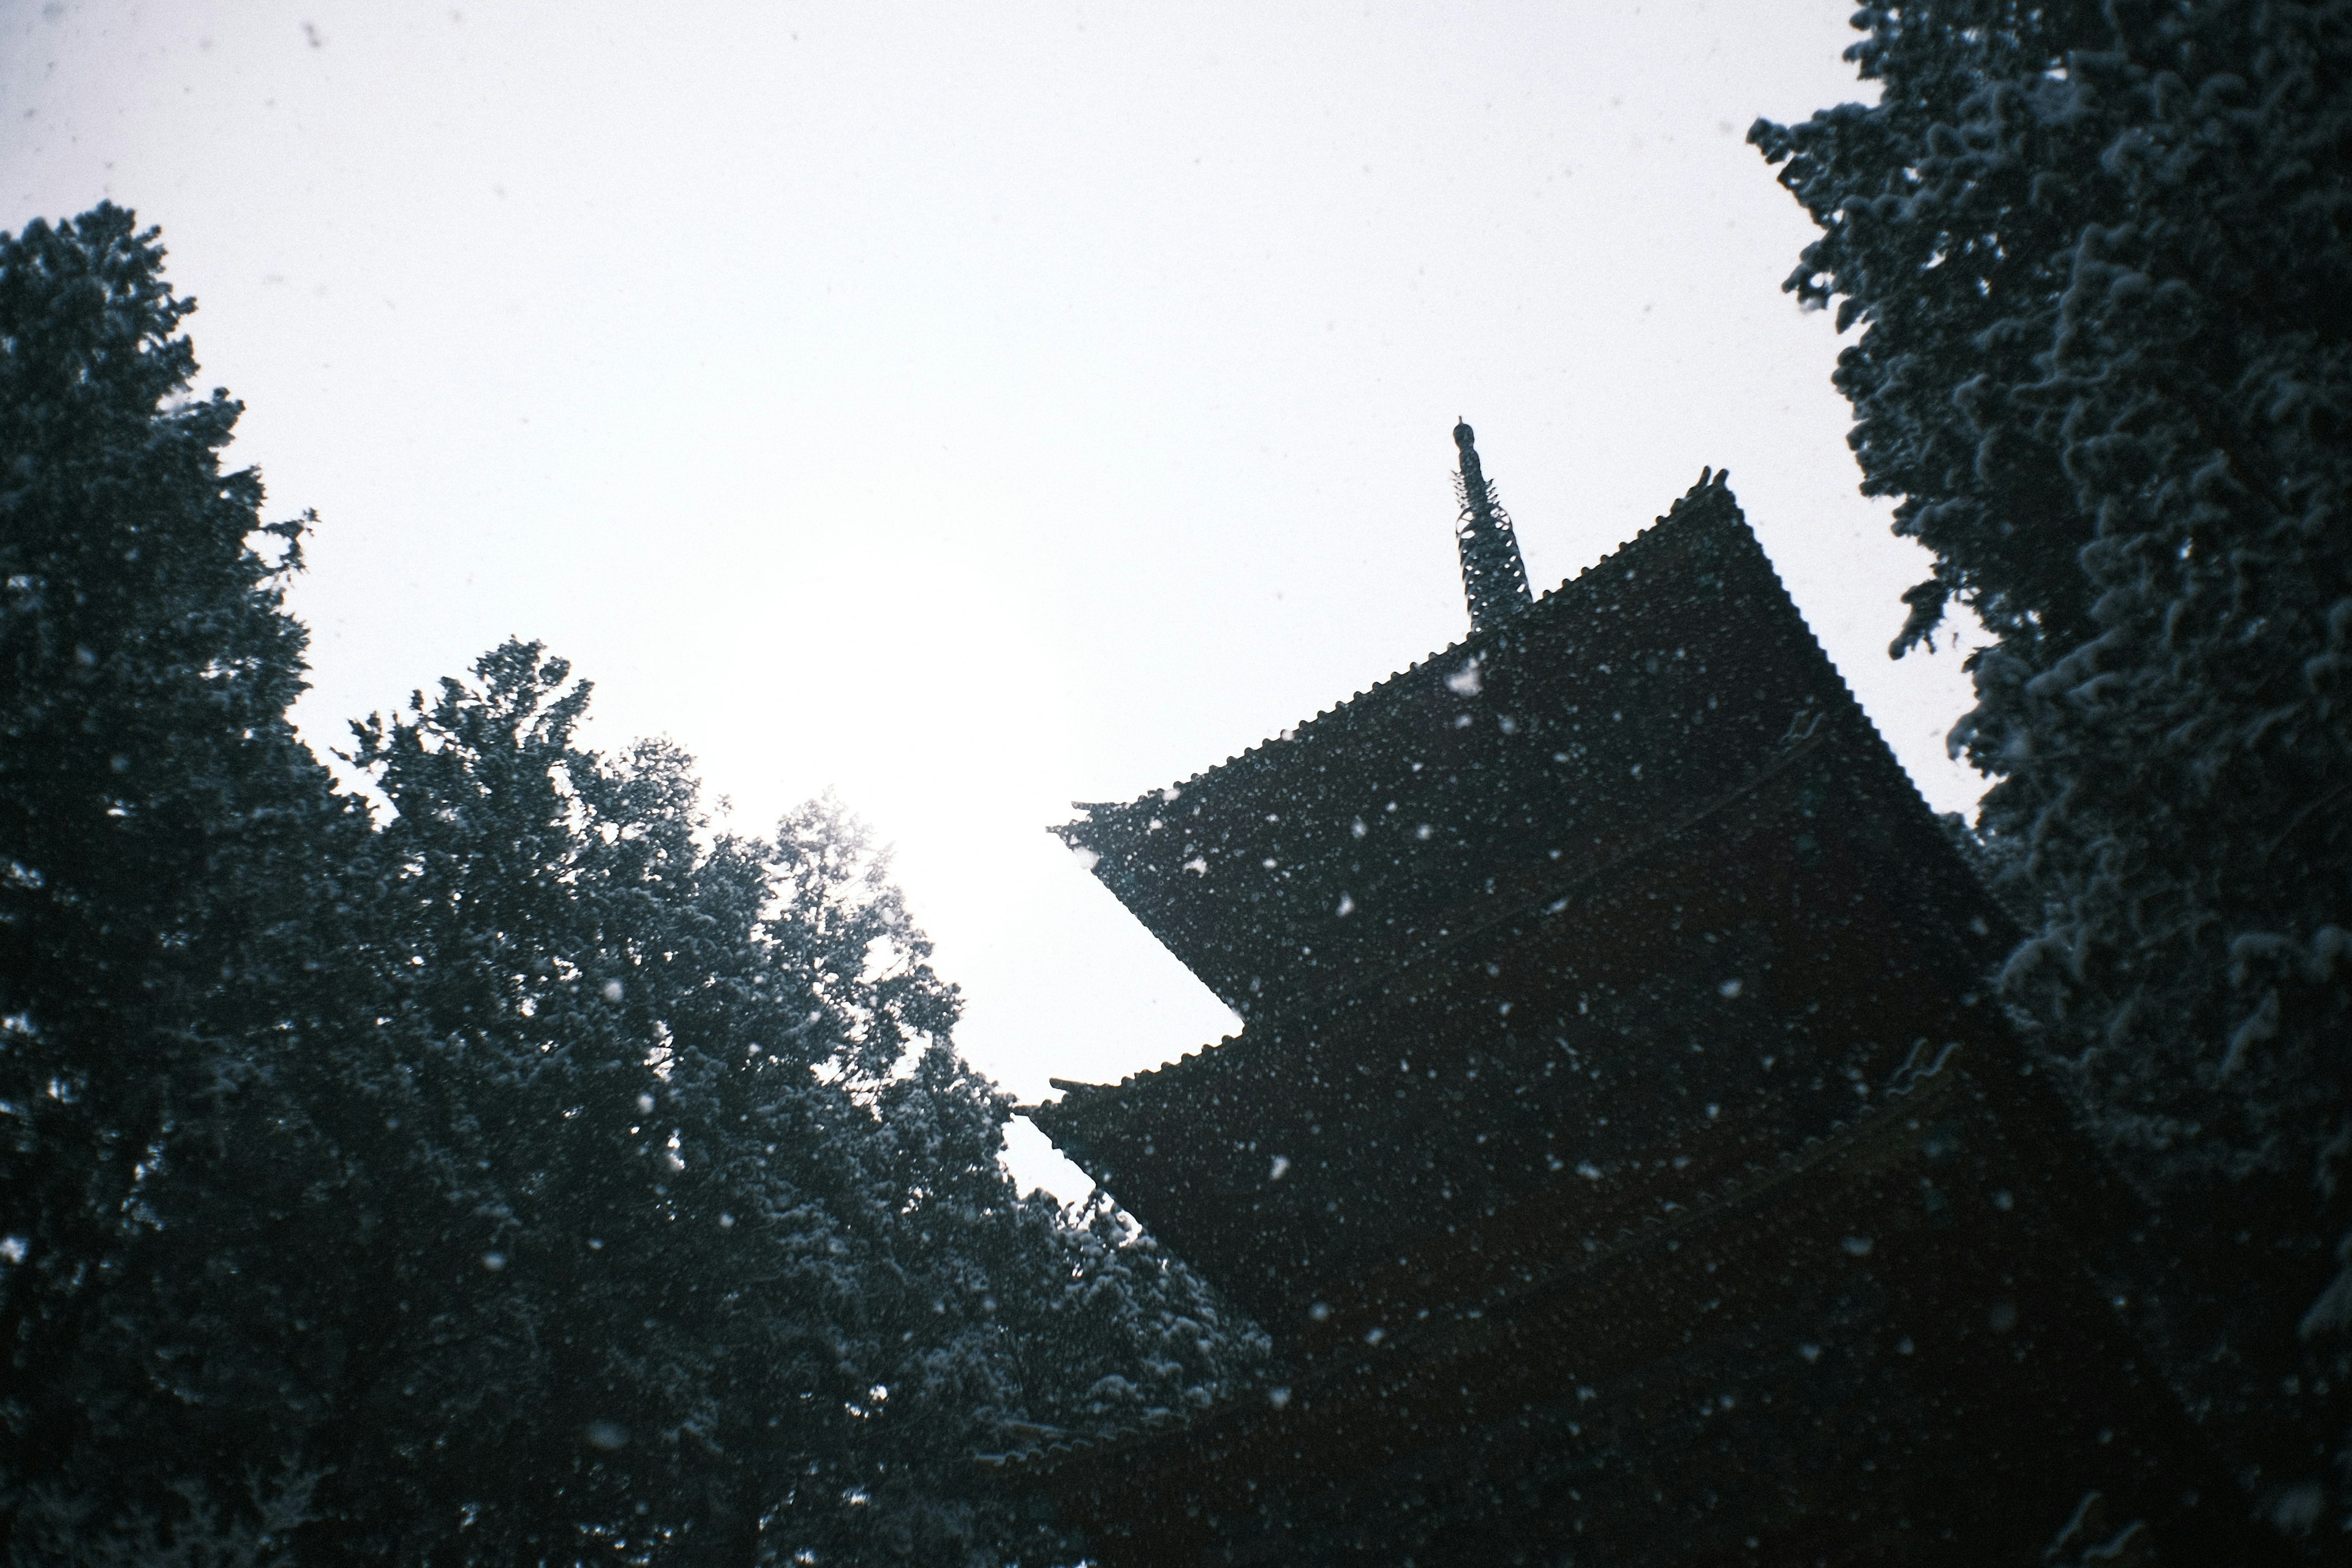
(977, 408)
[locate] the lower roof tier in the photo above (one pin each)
(1887, 1347)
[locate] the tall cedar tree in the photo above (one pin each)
(2099, 255)
(150, 790)
(537, 1178)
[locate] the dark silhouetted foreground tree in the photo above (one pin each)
(2098, 253)
(161, 828)
(537, 1177)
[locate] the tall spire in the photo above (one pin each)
(1493, 578)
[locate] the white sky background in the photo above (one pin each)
(977, 408)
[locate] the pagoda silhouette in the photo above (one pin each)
(1623, 1146)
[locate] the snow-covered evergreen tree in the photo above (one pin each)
(2100, 260)
(161, 834)
(721, 1262)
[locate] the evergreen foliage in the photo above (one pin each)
(2098, 254)
(535, 1176)
(150, 790)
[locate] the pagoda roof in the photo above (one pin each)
(1624, 698)
(1662, 844)
(1621, 1137)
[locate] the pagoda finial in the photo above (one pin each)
(1494, 577)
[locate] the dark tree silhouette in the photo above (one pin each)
(719, 1258)
(159, 828)
(2098, 254)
